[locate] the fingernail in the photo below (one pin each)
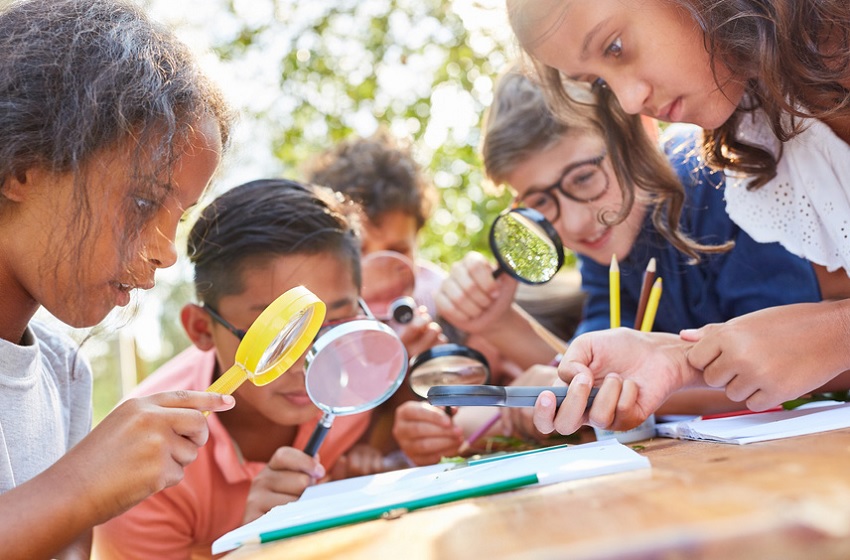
(228, 399)
(546, 401)
(319, 471)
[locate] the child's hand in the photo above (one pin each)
(362, 459)
(635, 373)
(520, 421)
(470, 298)
(773, 355)
(141, 447)
(289, 472)
(421, 333)
(425, 433)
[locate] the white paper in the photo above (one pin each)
(392, 490)
(751, 428)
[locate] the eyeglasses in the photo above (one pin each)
(238, 333)
(583, 181)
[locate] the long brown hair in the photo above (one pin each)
(637, 160)
(797, 55)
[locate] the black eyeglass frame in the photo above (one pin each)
(238, 333)
(558, 185)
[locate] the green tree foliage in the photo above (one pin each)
(343, 68)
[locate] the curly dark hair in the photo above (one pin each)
(268, 217)
(81, 77)
(378, 174)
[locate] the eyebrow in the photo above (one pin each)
(591, 35)
(340, 303)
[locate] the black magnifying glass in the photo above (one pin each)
(526, 246)
(388, 282)
(447, 364)
(352, 367)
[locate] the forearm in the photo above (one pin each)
(517, 338)
(45, 516)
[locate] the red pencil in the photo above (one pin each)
(739, 413)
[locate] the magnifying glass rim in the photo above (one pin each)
(538, 219)
(338, 331)
(294, 302)
(449, 349)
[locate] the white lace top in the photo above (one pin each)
(806, 207)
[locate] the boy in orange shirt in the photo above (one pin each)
(249, 246)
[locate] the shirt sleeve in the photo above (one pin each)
(158, 527)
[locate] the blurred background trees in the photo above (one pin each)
(305, 74)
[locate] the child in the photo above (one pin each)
(561, 168)
(769, 83)
(250, 245)
(109, 132)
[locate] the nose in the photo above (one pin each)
(160, 251)
(632, 93)
(576, 221)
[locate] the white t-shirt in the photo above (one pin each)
(45, 403)
(806, 207)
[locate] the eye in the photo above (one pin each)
(144, 205)
(615, 48)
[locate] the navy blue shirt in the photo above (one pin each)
(750, 277)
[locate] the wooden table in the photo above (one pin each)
(782, 499)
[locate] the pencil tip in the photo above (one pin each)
(651, 266)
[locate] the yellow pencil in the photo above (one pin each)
(614, 283)
(651, 306)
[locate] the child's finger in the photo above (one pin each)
(197, 400)
(544, 412)
(604, 409)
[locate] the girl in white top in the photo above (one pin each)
(108, 132)
(770, 84)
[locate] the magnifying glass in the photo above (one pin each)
(388, 282)
(274, 342)
(447, 364)
(526, 246)
(352, 367)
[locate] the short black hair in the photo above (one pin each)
(268, 217)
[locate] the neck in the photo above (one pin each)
(17, 304)
(256, 437)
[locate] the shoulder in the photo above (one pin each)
(60, 354)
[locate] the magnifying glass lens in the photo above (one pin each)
(525, 248)
(285, 339)
(448, 370)
(357, 369)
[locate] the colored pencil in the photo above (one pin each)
(651, 306)
(614, 287)
(645, 288)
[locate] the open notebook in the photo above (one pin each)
(394, 493)
(751, 428)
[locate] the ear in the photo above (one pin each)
(15, 186)
(198, 326)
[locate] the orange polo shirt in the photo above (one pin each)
(183, 521)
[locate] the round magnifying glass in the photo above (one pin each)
(447, 364)
(388, 282)
(279, 336)
(351, 368)
(526, 246)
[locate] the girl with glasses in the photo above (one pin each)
(563, 168)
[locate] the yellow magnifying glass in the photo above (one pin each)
(275, 341)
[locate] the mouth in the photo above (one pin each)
(671, 112)
(597, 240)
